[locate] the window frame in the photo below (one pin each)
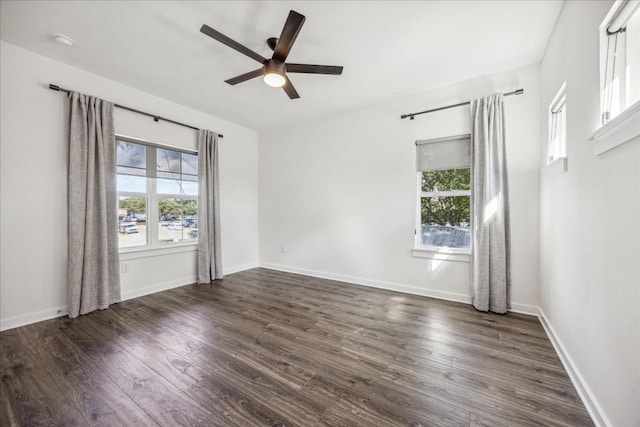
(152, 197)
(440, 252)
(621, 60)
(623, 127)
(557, 106)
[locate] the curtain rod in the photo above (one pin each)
(155, 118)
(411, 115)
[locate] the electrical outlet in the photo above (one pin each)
(125, 267)
(281, 249)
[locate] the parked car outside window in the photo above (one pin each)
(128, 228)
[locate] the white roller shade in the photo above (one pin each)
(443, 153)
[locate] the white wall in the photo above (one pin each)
(33, 121)
(339, 194)
(590, 229)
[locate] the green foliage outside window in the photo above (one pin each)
(446, 180)
(133, 205)
(448, 210)
(176, 208)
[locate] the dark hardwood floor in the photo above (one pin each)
(268, 348)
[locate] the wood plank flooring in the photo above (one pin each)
(263, 347)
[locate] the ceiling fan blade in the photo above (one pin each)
(289, 34)
(314, 69)
(244, 77)
(288, 87)
(205, 29)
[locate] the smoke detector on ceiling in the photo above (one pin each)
(63, 40)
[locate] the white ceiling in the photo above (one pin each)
(387, 48)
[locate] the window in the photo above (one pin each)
(620, 53)
(157, 195)
(558, 126)
(444, 193)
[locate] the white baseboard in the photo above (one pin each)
(27, 319)
(52, 313)
(238, 268)
(531, 310)
(593, 407)
(449, 296)
(157, 288)
(182, 282)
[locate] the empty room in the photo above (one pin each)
(320, 213)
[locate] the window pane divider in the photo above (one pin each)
(446, 193)
(177, 196)
(131, 194)
(155, 144)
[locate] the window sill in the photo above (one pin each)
(146, 252)
(619, 130)
(442, 254)
(556, 167)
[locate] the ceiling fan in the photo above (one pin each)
(274, 70)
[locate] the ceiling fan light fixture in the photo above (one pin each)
(274, 80)
(274, 73)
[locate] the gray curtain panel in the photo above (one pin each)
(93, 265)
(491, 251)
(209, 243)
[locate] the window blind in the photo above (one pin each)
(443, 153)
(153, 162)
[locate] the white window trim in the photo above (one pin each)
(556, 167)
(559, 103)
(625, 126)
(153, 247)
(440, 253)
(135, 252)
(621, 129)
